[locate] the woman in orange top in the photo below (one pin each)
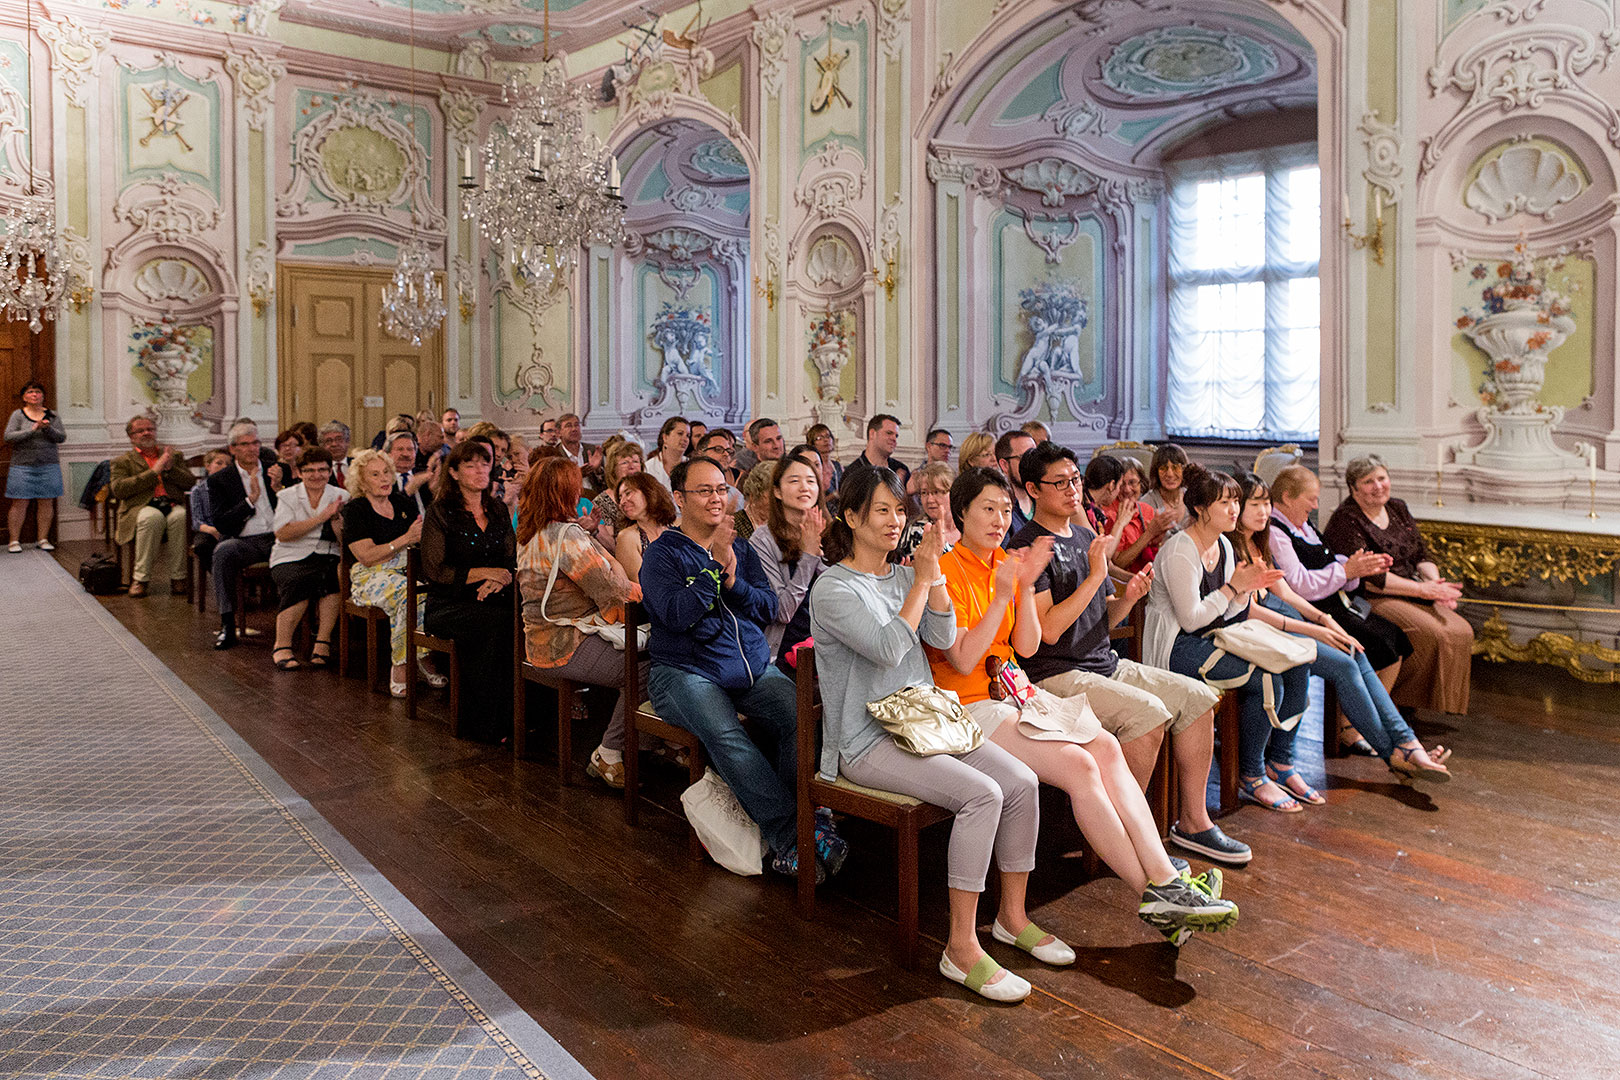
(993, 593)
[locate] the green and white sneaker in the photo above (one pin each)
(1182, 905)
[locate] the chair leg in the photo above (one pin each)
(455, 694)
(1227, 719)
(410, 685)
(1331, 746)
(373, 662)
(807, 867)
(343, 642)
(567, 694)
(906, 855)
(520, 715)
(632, 764)
(694, 773)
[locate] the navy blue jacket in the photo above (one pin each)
(699, 625)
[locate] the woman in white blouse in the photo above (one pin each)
(304, 560)
(1199, 587)
(670, 451)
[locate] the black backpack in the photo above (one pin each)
(100, 575)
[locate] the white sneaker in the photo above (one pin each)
(1009, 987)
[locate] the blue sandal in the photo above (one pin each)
(1281, 776)
(1248, 786)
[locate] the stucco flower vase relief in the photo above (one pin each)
(1521, 319)
(169, 357)
(686, 382)
(830, 337)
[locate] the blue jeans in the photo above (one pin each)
(1365, 702)
(1262, 698)
(769, 793)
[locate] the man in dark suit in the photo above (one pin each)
(414, 484)
(244, 511)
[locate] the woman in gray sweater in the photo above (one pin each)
(869, 619)
(36, 469)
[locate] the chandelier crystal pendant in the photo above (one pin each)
(33, 267)
(413, 303)
(550, 186)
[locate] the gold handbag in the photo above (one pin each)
(925, 720)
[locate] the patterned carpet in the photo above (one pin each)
(170, 908)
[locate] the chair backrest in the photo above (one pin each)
(634, 616)
(1126, 450)
(413, 570)
(1131, 631)
(1274, 459)
(809, 710)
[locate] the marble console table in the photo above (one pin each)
(1487, 545)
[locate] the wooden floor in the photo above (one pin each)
(1471, 935)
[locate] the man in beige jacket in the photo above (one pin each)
(150, 483)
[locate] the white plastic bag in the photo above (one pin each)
(727, 832)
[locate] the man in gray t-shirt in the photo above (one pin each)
(1078, 608)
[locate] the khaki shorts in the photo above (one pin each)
(1136, 699)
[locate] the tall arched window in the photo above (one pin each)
(1245, 306)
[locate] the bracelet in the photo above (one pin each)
(937, 582)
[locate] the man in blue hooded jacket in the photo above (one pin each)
(707, 599)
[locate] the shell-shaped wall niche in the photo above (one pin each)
(166, 280)
(1523, 179)
(831, 264)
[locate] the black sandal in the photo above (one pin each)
(318, 658)
(290, 663)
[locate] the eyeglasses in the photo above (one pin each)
(1068, 483)
(722, 451)
(705, 492)
(943, 445)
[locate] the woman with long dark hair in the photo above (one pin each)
(1199, 587)
(669, 451)
(870, 619)
(468, 553)
(647, 510)
(566, 577)
(1340, 660)
(789, 547)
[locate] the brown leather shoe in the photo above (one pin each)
(137, 589)
(179, 586)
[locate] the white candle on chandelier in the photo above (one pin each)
(1347, 208)
(613, 173)
(1378, 204)
(466, 162)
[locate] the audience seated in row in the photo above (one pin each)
(150, 484)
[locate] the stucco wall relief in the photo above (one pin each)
(1523, 179)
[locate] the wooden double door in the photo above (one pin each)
(337, 362)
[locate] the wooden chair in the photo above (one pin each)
(197, 570)
(257, 579)
(1163, 785)
(1274, 459)
(377, 637)
(124, 553)
(1330, 723)
(640, 719)
(902, 813)
(524, 673)
(416, 639)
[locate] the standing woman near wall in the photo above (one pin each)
(34, 432)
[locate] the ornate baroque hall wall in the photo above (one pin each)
(864, 206)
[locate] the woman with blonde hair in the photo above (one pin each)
(619, 460)
(380, 524)
(978, 451)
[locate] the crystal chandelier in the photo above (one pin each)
(550, 186)
(413, 302)
(33, 270)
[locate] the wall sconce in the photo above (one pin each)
(260, 295)
(886, 281)
(1372, 241)
(83, 292)
(766, 290)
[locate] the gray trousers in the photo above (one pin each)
(994, 796)
(233, 556)
(597, 663)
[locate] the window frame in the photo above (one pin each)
(1274, 163)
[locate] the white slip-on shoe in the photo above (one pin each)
(1054, 952)
(1009, 987)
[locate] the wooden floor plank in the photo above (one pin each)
(1463, 934)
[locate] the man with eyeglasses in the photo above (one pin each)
(1010, 450)
(708, 601)
(244, 513)
(150, 484)
(1138, 704)
(720, 446)
(939, 446)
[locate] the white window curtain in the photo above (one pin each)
(1245, 308)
